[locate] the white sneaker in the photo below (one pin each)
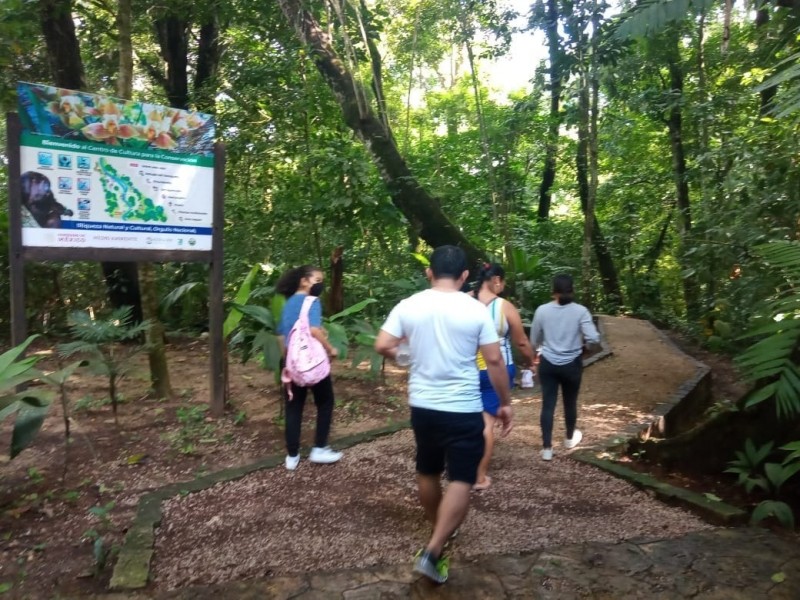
(577, 436)
(292, 462)
(547, 454)
(324, 456)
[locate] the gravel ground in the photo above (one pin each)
(363, 511)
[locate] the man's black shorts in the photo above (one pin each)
(451, 439)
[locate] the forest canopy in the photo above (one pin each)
(654, 145)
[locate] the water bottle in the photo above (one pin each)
(403, 356)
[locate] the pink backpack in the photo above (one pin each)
(307, 361)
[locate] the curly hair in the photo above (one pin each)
(290, 280)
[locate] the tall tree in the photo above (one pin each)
(549, 21)
(157, 356)
(63, 51)
(586, 57)
(679, 168)
(420, 208)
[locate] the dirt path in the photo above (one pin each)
(363, 511)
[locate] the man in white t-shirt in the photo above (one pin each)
(445, 328)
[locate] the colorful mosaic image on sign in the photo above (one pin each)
(106, 173)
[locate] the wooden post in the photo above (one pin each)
(19, 322)
(219, 357)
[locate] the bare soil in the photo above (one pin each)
(360, 511)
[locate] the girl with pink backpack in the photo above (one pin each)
(305, 345)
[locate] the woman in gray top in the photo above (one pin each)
(560, 331)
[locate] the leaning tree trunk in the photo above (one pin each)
(64, 57)
(420, 208)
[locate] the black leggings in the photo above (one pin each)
(323, 398)
(551, 377)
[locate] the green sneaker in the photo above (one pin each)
(435, 570)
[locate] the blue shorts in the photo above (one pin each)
(491, 401)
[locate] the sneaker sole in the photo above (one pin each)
(324, 462)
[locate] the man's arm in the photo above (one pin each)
(386, 344)
(498, 375)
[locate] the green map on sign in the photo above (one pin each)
(123, 199)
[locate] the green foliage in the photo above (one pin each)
(748, 466)
(652, 16)
(103, 342)
(772, 362)
(194, 429)
(29, 406)
(773, 508)
(356, 332)
(235, 315)
(753, 472)
(102, 551)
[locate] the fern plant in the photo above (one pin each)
(101, 340)
(772, 362)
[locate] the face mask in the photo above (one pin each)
(317, 288)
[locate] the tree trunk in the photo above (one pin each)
(554, 122)
(159, 371)
(605, 262)
(209, 52)
(767, 95)
(63, 48)
(584, 145)
(368, 36)
(156, 350)
(125, 45)
(680, 175)
(64, 57)
(173, 40)
(417, 205)
(336, 295)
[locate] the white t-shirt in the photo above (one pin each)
(444, 330)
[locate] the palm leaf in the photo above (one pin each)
(771, 361)
(178, 293)
(235, 315)
(29, 422)
(357, 307)
(652, 16)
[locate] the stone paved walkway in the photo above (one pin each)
(720, 564)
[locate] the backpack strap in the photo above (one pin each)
(303, 318)
(304, 310)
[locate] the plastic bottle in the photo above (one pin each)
(403, 356)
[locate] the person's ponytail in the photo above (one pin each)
(564, 288)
